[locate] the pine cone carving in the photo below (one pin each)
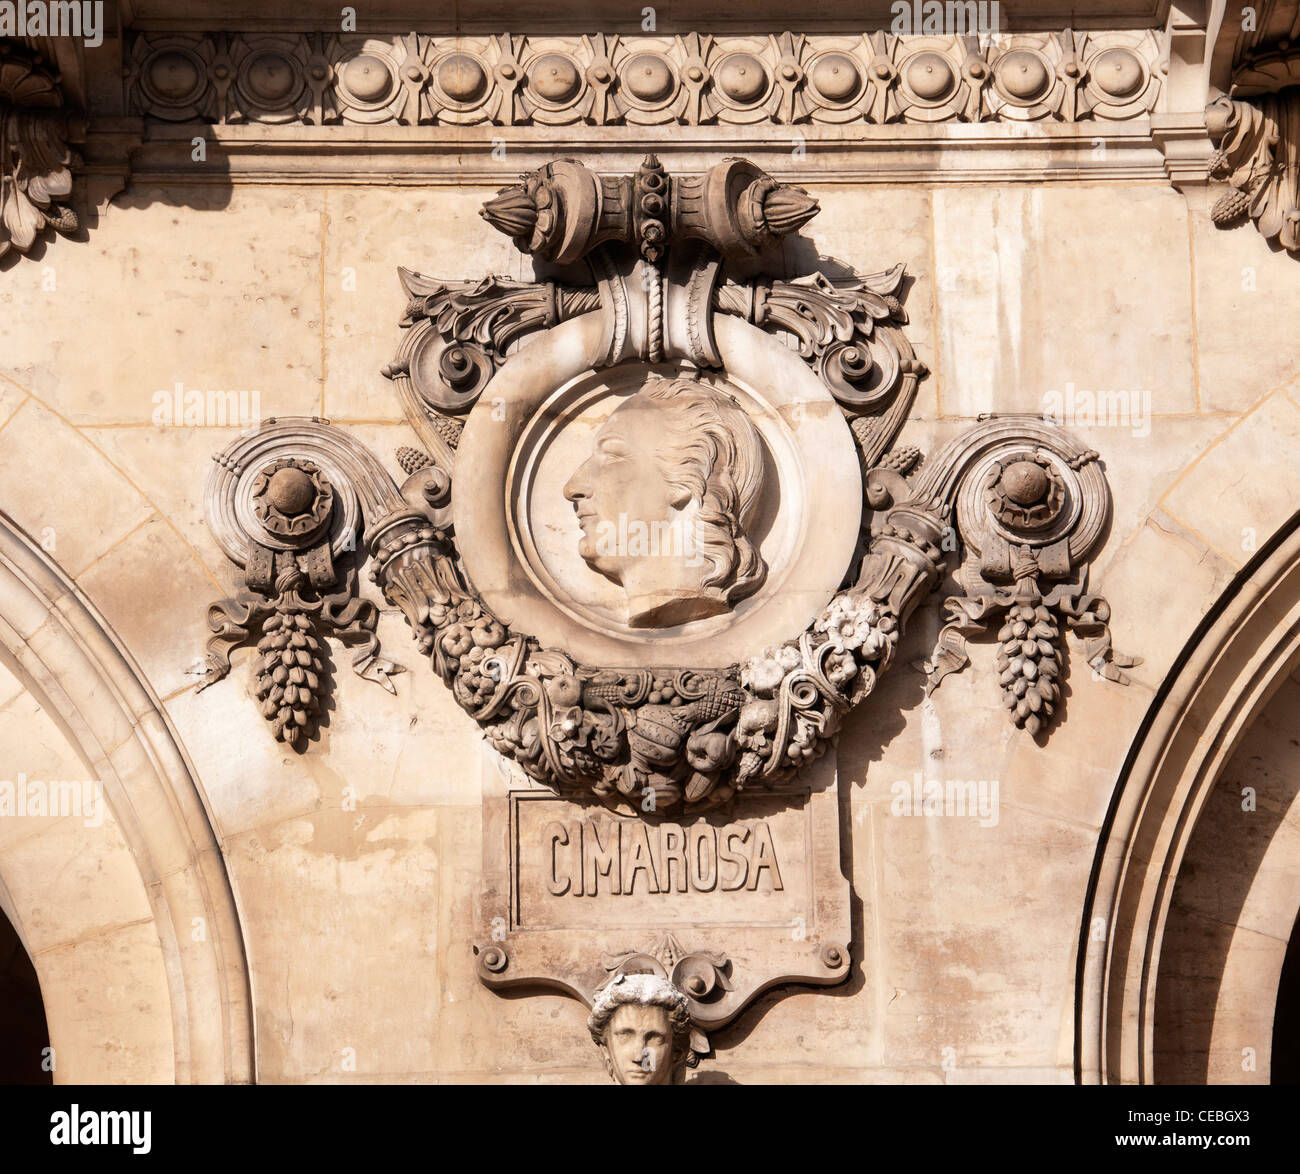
(412, 460)
(448, 428)
(1029, 664)
(289, 676)
(1230, 208)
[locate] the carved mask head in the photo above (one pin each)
(643, 1024)
(666, 499)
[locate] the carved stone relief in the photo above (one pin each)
(642, 1024)
(1030, 510)
(705, 911)
(1256, 129)
(658, 543)
(285, 505)
(36, 162)
(603, 80)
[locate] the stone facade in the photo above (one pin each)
(335, 895)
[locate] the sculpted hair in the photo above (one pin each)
(712, 450)
(643, 990)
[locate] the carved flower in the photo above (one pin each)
(756, 721)
(457, 640)
(569, 725)
(605, 742)
(853, 625)
(840, 668)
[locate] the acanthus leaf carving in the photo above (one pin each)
(36, 161)
(1256, 129)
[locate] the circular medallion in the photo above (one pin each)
(1117, 73)
(462, 79)
(659, 513)
(174, 77)
(367, 78)
(1031, 496)
(270, 78)
(742, 78)
(1023, 76)
(292, 501)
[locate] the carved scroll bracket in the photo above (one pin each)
(36, 161)
(287, 503)
(1032, 507)
(1257, 131)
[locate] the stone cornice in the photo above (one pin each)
(647, 81)
(859, 107)
(942, 154)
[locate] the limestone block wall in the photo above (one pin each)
(354, 867)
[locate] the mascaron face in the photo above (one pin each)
(640, 1043)
(622, 478)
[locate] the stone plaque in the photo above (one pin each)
(727, 902)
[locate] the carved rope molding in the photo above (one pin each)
(1030, 501)
(601, 80)
(1257, 131)
(36, 162)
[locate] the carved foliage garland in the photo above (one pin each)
(1027, 500)
(662, 738)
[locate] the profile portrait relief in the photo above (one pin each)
(667, 502)
(643, 1025)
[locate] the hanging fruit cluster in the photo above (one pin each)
(289, 676)
(1028, 659)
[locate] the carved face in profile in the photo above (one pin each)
(642, 1022)
(666, 501)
